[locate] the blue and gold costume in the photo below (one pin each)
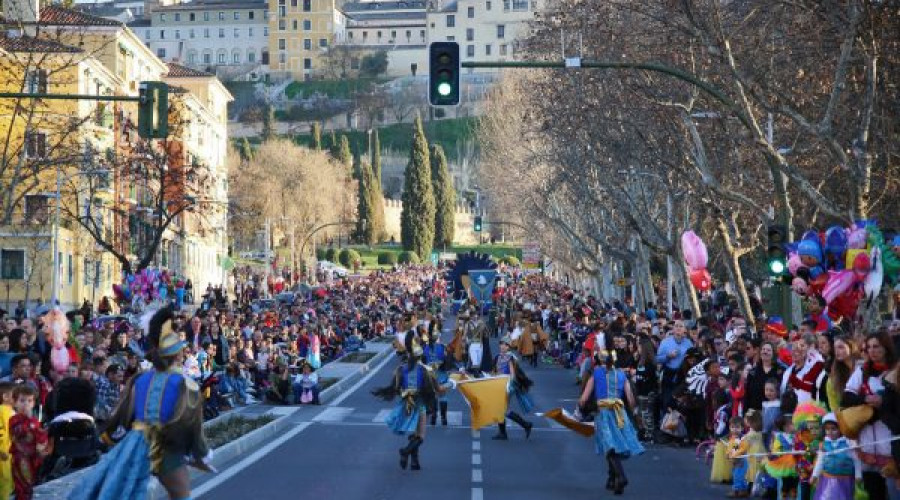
(404, 419)
(614, 435)
(435, 355)
(158, 425)
(506, 364)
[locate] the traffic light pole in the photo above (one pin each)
(68, 97)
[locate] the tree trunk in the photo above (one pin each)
(732, 263)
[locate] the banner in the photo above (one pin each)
(481, 285)
(487, 399)
(531, 255)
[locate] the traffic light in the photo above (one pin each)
(776, 257)
(477, 223)
(153, 110)
(443, 76)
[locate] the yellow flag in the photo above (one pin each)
(487, 399)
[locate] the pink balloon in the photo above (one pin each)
(694, 250)
(857, 238)
(794, 263)
(838, 283)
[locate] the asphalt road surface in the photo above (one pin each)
(344, 451)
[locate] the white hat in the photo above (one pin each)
(829, 418)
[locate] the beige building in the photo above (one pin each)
(300, 33)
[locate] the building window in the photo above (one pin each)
(282, 11)
(422, 35)
(221, 32)
(251, 56)
(250, 15)
(192, 16)
(206, 16)
(487, 49)
(147, 35)
(350, 35)
(221, 16)
(178, 34)
(177, 17)
(191, 34)
(161, 53)
(265, 15)
(307, 44)
(323, 42)
(250, 32)
(307, 63)
(502, 49)
(237, 16)
(205, 32)
(307, 5)
(207, 58)
(471, 12)
(365, 35)
(520, 5)
(162, 34)
(307, 25)
(378, 35)
(69, 268)
(192, 58)
(36, 81)
(470, 34)
(282, 58)
(294, 3)
(451, 38)
(162, 18)
(501, 31)
(282, 25)
(12, 264)
(451, 21)
(393, 34)
(221, 58)
(470, 51)
(282, 44)
(294, 24)
(408, 35)
(37, 209)
(487, 5)
(236, 57)
(265, 31)
(237, 32)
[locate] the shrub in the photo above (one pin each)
(387, 258)
(510, 260)
(321, 254)
(331, 255)
(408, 258)
(347, 257)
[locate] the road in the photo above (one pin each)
(344, 451)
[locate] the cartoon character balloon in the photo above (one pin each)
(58, 333)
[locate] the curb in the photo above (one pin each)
(60, 488)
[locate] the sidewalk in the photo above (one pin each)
(347, 373)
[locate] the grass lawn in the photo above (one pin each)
(398, 136)
(338, 89)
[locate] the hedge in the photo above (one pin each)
(387, 258)
(321, 254)
(408, 258)
(510, 260)
(348, 256)
(331, 255)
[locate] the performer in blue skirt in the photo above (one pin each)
(614, 437)
(158, 427)
(506, 364)
(435, 354)
(418, 389)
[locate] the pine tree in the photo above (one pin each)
(316, 132)
(268, 124)
(246, 151)
(344, 155)
(417, 218)
(376, 157)
(444, 198)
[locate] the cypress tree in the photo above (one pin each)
(246, 151)
(316, 133)
(417, 218)
(268, 124)
(376, 157)
(444, 198)
(345, 156)
(333, 145)
(365, 222)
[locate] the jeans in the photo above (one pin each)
(739, 473)
(234, 384)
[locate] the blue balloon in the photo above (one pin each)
(810, 248)
(835, 240)
(812, 234)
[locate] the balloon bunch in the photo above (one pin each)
(843, 266)
(697, 258)
(147, 286)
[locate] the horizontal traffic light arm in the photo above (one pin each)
(69, 97)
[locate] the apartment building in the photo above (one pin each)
(484, 29)
(300, 33)
(385, 24)
(209, 33)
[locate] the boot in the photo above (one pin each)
(405, 452)
(443, 413)
(414, 463)
(501, 432)
(433, 417)
(611, 479)
(515, 417)
(621, 481)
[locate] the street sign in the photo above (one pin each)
(531, 255)
(624, 282)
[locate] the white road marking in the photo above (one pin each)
(477, 494)
(454, 418)
(381, 417)
(230, 472)
(476, 459)
(476, 445)
(476, 475)
(333, 414)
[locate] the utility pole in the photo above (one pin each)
(54, 294)
(669, 305)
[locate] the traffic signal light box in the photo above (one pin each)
(153, 110)
(776, 256)
(443, 73)
(477, 223)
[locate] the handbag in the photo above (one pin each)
(673, 424)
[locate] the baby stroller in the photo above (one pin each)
(72, 430)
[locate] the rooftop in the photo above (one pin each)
(179, 71)
(386, 16)
(60, 16)
(215, 4)
(383, 6)
(29, 44)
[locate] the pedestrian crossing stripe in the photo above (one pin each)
(453, 417)
(333, 414)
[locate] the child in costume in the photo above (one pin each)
(781, 465)
(29, 442)
(739, 486)
(721, 465)
(771, 407)
(807, 421)
(837, 464)
(6, 413)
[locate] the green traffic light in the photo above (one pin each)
(444, 89)
(777, 267)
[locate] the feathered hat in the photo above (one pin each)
(158, 325)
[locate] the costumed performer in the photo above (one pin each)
(435, 354)
(615, 437)
(506, 363)
(158, 424)
(837, 464)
